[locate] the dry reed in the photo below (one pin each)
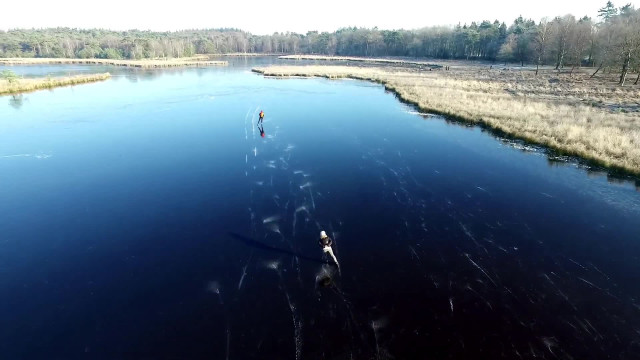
(26, 85)
(147, 63)
(358, 59)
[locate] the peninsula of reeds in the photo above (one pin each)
(146, 63)
(26, 85)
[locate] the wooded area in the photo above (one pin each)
(610, 42)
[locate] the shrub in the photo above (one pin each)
(9, 75)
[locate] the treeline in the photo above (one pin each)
(611, 41)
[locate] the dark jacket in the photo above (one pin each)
(326, 241)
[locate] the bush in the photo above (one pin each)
(111, 53)
(9, 75)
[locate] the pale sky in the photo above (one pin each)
(266, 17)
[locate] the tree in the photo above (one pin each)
(608, 11)
(579, 42)
(541, 38)
(626, 44)
(519, 41)
(9, 75)
(563, 29)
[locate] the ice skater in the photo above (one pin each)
(326, 242)
(260, 117)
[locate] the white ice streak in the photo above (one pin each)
(297, 324)
(590, 283)
(37, 156)
(273, 226)
(295, 217)
(271, 219)
(244, 273)
(549, 342)
(313, 202)
(377, 325)
(273, 265)
(481, 269)
(305, 185)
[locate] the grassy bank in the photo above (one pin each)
(26, 85)
(359, 59)
(569, 113)
(147, 63)
(245, 54)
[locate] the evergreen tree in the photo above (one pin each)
(608, 11)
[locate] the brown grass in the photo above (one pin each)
(591, 119)
(243, 54)
(358, 59)
(147, 63)
(26, 85)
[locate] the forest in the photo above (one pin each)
(611, 41)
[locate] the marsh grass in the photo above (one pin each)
(146, 63)
(558, 114)
(358, 59)
(26, 85)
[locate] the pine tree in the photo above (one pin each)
(608, 11)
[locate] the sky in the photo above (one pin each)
(267, 17)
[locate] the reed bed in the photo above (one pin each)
(564, 118)
(147, 63)
(241, 54)
(358, 59)
(26, 85)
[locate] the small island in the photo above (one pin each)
(145, 63)
(12, 84)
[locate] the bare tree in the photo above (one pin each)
(541, 38)
(579, 44)
(563, 27)
(627, 43)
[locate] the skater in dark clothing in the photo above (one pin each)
(261, 117)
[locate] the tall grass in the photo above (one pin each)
(146, 63)
(357, 59)
(26, 85)
(541, 113)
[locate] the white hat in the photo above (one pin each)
(323, 234)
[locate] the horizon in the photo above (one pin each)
(141, 17)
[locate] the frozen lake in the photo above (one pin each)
(146, 217)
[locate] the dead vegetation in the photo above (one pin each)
(26, 85)
(146, 63)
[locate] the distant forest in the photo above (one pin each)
(612, 40)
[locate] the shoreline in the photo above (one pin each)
(606, 138)
(29, 85)
(184, 62)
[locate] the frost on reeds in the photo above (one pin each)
(26, 85)
(571, 114)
